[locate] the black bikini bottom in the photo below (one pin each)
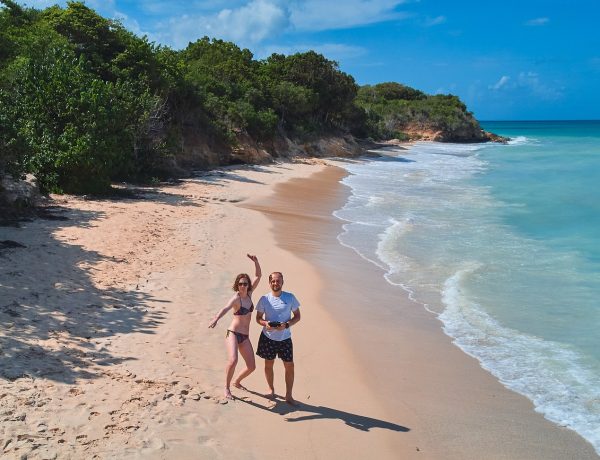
(238, 336)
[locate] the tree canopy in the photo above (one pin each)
(83, 101)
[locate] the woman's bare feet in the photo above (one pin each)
(240, 386)
(228, 394)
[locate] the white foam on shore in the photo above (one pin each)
(521, 140)
(561, 385)
(397, 209)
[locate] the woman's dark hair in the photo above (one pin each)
(237, 280)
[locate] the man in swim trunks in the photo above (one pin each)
(277, 311)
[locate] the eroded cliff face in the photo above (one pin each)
(198, 153)
(467, 133)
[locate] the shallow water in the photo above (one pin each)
(503, 243)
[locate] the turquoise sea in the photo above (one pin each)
(502, 242)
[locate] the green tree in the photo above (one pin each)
(309, 90)
(78, 130)
(226, 78)
(91, 35)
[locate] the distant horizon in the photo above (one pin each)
(515, 64)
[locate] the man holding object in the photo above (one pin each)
(277, 311)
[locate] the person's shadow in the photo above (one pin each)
(360, 422)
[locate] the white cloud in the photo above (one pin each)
(538, 21)
(531, 80)
(179, 7)
(132, 25)
(320, 15)
(101, 5)
(40, 4)
(245, 22)
(258, 20)
(528, 83)
(255, 21)
(249, 24)
(500, 83)
(435, 21)
(98, 5)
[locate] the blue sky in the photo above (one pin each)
(511, 60)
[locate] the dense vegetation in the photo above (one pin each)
(84, 102)
(393, 109)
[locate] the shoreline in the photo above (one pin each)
(468, 413)
(107, 351)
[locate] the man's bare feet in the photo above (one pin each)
(291, 401)
(228, 394)
(270, 394)
(240, 386)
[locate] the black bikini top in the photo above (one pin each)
(243, 310)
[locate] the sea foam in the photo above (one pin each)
(459, 228)
(562, 386)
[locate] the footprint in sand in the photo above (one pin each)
(154, 445)
(41, 427)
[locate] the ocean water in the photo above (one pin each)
(502, 242)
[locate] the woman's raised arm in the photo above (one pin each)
(257, 271)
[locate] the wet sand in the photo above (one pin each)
(453, 408)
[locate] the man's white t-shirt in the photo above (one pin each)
(278, 309)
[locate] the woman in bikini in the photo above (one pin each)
(236, 337)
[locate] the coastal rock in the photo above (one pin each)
(19, 193)
(496, 138)
(462, 134)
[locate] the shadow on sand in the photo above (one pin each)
(55, 320)
(304, 412)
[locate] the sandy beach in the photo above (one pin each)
(106, 351)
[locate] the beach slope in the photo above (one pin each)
(106, 351)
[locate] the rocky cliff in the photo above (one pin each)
(463, 134)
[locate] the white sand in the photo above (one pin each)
(106, 351)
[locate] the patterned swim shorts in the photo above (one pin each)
(269, 349)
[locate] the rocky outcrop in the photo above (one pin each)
(496, 138)
(18, 199)
(466, 133)
(19, 193)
